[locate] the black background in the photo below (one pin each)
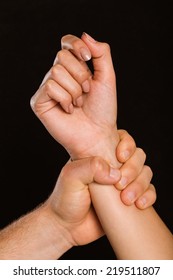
(139, 34)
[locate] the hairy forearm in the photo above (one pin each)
(36, 235)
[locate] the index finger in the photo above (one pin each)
(76, 46)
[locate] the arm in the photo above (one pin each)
(92, 131)
(148, 235)
(36, 235)
(139, 234)
(67, 218)
(133, 234)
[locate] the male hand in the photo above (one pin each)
(70, 202)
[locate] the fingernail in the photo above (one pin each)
(91, 39)
(131, 197)
(86, 86)
(125, 155)
(85, 54)
(114, 173)
(79, 101)
(123, 182)
(143, 201)
(70, 109)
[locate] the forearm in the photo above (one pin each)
(133, 233)
(36, 235)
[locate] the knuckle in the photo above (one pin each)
(33, 103)
(106, 46)
(55, 70)
(131, 171)
(82, 75)
(77, 91)
(141, 152)
(153, 191)
(149, 171)
(151, 195)
(152, 187)
(66, 99)
(48, 85)
(130, 138)
(61, 55)
(138, 185)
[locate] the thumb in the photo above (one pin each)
(88, 170)
(101, 57)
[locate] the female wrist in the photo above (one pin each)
(105, 147)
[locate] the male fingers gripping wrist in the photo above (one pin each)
(135, 183)
(71, 202)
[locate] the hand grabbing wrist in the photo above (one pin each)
(104, 147)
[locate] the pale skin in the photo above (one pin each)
(79, 109)
(67, 217)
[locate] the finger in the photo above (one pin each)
(126, 147)
(88, 170)
(64, 79)
(147, 199)
(131, 168)
(76, 46)
(136, 189)
(101, 58)
(50, 94)
(77, 70)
